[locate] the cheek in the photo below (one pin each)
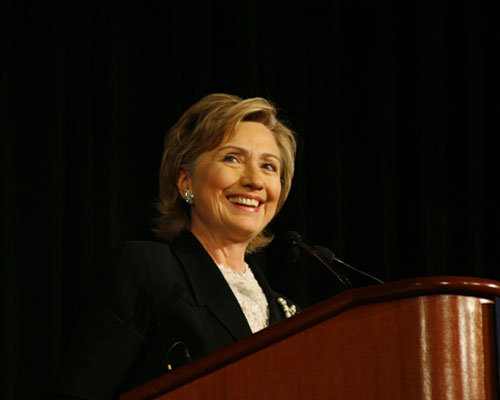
(275, 191)
(226, 178)
(214, 181)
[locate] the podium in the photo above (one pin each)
(423, 338)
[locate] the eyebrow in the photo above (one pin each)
(244, 151)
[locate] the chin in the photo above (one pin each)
(248, 232)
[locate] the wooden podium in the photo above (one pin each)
(426, 338)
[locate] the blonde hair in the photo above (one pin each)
(203, 126)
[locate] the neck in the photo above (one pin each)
(223, 250)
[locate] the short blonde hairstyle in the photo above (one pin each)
(204, 126)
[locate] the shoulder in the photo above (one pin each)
(150, 251)
(125, 274)
(132, 257)
(137, 249)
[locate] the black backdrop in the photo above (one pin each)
(396, 106)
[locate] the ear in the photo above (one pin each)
(183, 181)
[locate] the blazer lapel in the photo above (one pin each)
(274, 311)
(209, 286)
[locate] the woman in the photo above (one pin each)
(226, 171)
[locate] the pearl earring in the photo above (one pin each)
(188, 196)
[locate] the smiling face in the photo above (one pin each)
(236, 186)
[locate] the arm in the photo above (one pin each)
(112, 328)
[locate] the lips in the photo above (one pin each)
(244, 201)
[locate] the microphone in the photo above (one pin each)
(294, 239)
(177, 356)
(330, 256)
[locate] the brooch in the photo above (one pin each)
(289, 311)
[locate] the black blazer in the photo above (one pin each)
(150, 300)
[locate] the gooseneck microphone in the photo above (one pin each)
(330, 256)
(294, 239)
(326, 257)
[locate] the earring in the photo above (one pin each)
(188, 196)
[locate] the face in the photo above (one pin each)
(236, 186)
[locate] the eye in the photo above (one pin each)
(230, 158)
(270, 167)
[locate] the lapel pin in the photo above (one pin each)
(289, 311)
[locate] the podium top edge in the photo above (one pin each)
(433, 285)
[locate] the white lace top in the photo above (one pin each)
(249, 294)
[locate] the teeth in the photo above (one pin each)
(244, 201)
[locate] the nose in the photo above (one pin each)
(252, 177)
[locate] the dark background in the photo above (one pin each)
(396, 105)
